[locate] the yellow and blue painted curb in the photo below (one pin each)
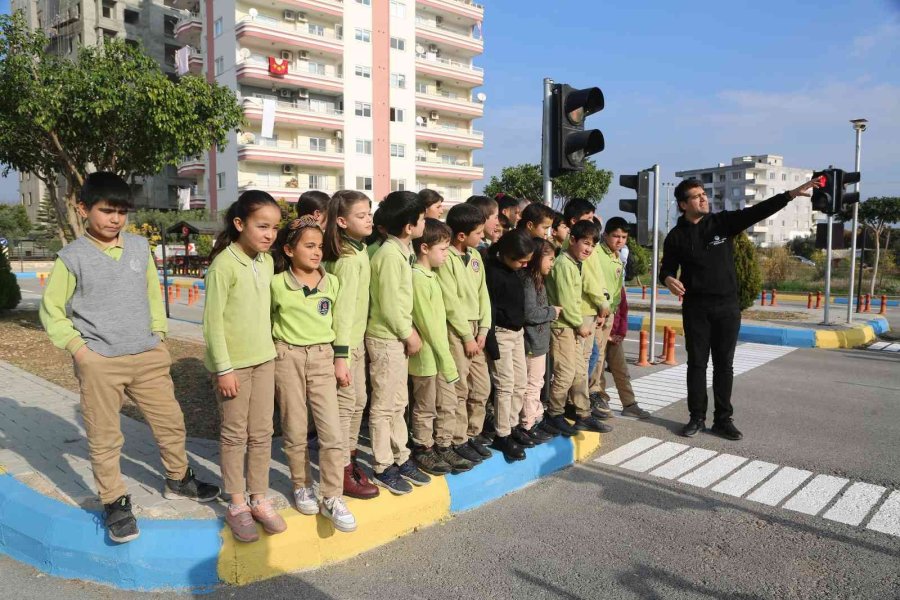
(199, 554)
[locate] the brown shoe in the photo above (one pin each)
(265, 515)
(240, 521)
(358, 486)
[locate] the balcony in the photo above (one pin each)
(191, 5)
(188, 29)
(461, 74)
(292, 113)
(255, 71)
(193, 168)
(288, 189)
(451, 136)
(461, 8)
(460, 169)
(431, 30)
(291, 153)
(333, 8)
(450, 103)
(302, 36)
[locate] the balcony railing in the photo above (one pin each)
(432, 24)
(312, 68)
(295, 106)
(302, 28)
(267, 144)
(430, 57)
(452, 130)
(457, 162)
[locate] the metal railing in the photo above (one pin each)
(291, 146)
(296, 105)
(330, 70)
(459, 162)
(452, 129)
(299, 28)
(432, 24)
(428, 57)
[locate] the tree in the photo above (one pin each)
(46, 228)
(14, 223)
(746, 266)
(112, 110)
(10, 295)
(525, 181)
(877, 215)
(802, 246)
(639, 257)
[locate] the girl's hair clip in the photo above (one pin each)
(303, 222)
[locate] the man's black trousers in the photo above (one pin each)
(711, 325)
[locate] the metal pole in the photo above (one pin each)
(862, 255)
(859, 131)
(165, 273)
(654, 265)
(828, 270)
(668, 189)
(545, 143)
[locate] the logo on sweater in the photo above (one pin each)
(476, 266)
(136, 265)
(718, 240)
(324, 306)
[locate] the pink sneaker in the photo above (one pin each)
(240, 520)
(266, 516)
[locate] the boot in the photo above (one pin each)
(356, 484)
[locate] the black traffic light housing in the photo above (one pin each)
(830, 197)
(570, 142)
(846, 179)
(640, 207)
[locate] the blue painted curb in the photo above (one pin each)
(28, 275)
(778, 336)
(874, 301)
(201, 283)
(879, 325)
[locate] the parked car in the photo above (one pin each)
(803, 260)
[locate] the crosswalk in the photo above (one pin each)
(834, 498)
(885, 347)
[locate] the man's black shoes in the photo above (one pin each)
(726, 430)
(693, 427)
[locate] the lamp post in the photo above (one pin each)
(859, 125)
(668, 186)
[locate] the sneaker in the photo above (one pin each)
(561, 425)
(263, 513)
(305, 500)
(599, 403)
(548, 427)
(538, 435)
(335, 510)
(430, 462)
(599, 414)
(590, 423)
(457, 463)
(358, 486)
(480, 448)
(467, 452)
(191, 488)
(508, 446)
(726, 430)
(485, 437)
(240, 520)
(635, 411)
(410, 472)
(119, 520)
(391, 480)
(521, 437)
(693, 427)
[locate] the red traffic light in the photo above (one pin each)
(821, 180)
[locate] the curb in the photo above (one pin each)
(199, 554)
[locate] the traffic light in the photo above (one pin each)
(845, 180)
(570, 142)
(823, 196)
(641, 206)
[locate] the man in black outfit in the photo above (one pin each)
(702, 245)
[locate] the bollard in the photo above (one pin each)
(868, 307)
(762, 296)
(670, 355)
(190, 296)
(773, 301)
(42, 278)
(665, 344)
(818, 300)
(171, 293)
(809, 301)
(177, 291)
(859, 303)
(642, 355)
(643, 292)
(883, 308)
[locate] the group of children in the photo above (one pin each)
(302, 316)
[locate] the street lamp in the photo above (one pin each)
(668, 186)
(859, 125)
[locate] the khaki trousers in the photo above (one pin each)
(532, 407)
(352, 401)
(569, 373)
(246, 435)
(430, 412)
(471, 391)
(595, 381)
(388, 371)
(618, 366)
(144, 378)
(510, 379)
(304, 376)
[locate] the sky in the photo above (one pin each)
(697, 83)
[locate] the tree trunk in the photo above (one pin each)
(877, 233)
(64, 230)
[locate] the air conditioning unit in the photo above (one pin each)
(303, 93)
(285, 93)
(438, 83)
(338, 135)
(287, 55)
(433, 147)
(433, 48)
(289, 15)
(287, 169)
(301, 17)
(304, 55)
(433, 115)
(438, 19)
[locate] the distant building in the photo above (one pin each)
(749, 179)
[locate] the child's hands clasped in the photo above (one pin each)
(228, 385)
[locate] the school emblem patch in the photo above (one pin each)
(324, 306)
(476, 265)
(136, 265)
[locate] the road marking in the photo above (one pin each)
(779, 486)
(651, 458)
(713, 471)
(744, 479)
(630, 449)
(887, 519)
(855, 504)
(816, 494)
(684, 463)
(893, 348)
(879, 346)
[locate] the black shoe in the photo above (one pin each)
(589, 423)
(485, 437)
(548, 427)
(693, 427)
(391, 480)
(430, 462)
(480, 448)
(119, 520)
(191, 488)
(599, 414)
(521, 437)
(538, 435)
(599, 403)
(457, 463)
(468, 453)
(510, 449)
(410, 472)
(561, 425)
(726, 430)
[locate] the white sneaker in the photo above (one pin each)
(336, 510)
(305, 500)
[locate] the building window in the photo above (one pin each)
(220, 180)
(362, 35)
(722, 177)
(398, 9)
(398, 43)
(217, 27)
(398, 185)
(318, 182)
(364, 146)
(771, 175)
(364, 2)
(132, 17)
(398, 150)
(364, 72)
(316, 68)
(737, 174)
(397, 115)
(109, 9)
(318, 144)
(363, 109)
(169, 24)
(220, 65)
(736, 193)
(421, 88)
(784, 177)
(454, 193)
(364, 184)
(314, 29)
(398, 80)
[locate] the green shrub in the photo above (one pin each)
(10, 295)
(746, 265)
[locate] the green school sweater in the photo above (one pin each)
(465, 292)
(351, 312)
(373, 248)
(594, 291)
(564, 286)
(611, 266)
(237, 326)
(390, 292)
(303, 316)
(430, 319)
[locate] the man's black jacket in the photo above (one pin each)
(705, 250)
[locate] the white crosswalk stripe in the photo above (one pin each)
(762, 482)
(885, 347)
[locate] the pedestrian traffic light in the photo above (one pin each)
(570, 142)
(641, 206)
(845, 180)
(823, 196)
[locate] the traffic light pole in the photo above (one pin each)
(546, 142)
(859, 131)
(654, 264)
(830, 222)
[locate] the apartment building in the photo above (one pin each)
(71, 24)
(373, 95)
(749, 179)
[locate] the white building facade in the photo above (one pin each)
(749, 179)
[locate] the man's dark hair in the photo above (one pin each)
(682, 191)
(106, 186)
(505, 201)
(616, 224)
(534, 213)
(465, 218)
(558, 219)
(403, 208)
(435, 232)
(429, 197)
(312, 201)
(577, 208)
(583, 229)
(486, 205)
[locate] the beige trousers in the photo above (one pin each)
(388, 370)
(569, 373)
(510, 379)
(618, 366)
(352, 401)
(595, 381)
(471, 391)
(431, 412)
(532, 408)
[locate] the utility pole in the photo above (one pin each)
(654, 264)
(859, 125)
(546, 142)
